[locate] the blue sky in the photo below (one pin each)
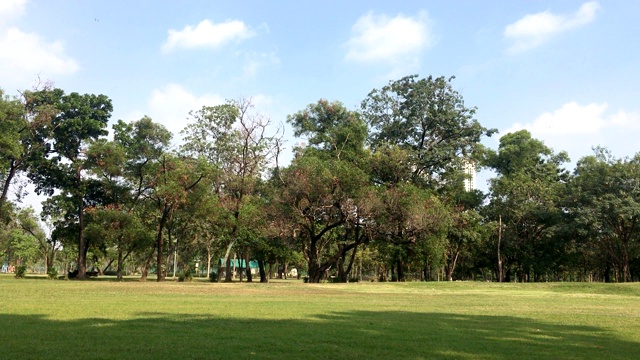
(567, 71)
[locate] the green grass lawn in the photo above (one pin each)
(44, 319)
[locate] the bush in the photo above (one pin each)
(20, 271)
(52, 273)
(186, 276)
(213, 277)
(354, 280)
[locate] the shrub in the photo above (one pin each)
(20, 271)
(52, 273)
(186, 276)
(213, 276)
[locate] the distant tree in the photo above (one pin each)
(318, 198)
(526, 197)
(320, 193)
(426, 118)
(605, 203)
(23, 241)
(12, 123)
(25, 129)
(234, 140)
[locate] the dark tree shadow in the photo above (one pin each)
(353, 335)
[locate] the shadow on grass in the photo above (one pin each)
(354, 335)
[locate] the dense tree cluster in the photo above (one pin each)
(376, 192)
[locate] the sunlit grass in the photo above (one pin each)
(289, 319)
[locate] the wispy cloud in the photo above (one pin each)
(577, 128)
(571, 118)
(23, 54)
(256, 61)
(536, 29)
(170, 105)
(382, 38)
(207, 34)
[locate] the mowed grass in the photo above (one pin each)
(42, 319)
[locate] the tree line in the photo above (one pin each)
(376, 192)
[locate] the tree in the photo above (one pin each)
(128, 168)
(11, 124)
(24, 132)
(605, 203)
(78, 120)
(428, 119)
(421, 134)
(526, 197)
(235, 141)
(321, 192)
(318, 198)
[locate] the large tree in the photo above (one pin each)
(421, 134)
(77, 121)
(605, 203)
(25, 129)
(322, 190)
(235, 140)
(428, 119)
(526, 198)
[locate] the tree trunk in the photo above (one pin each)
(82, 250)
(451, 267)
(160, 243)
(500, 273)
(401, 277)
(263, 274)
(7, 183)
(119, 270)
(227, 264)
(248, 267)
(342, 276)
(209, 256)
(351, 261)
(145, 268)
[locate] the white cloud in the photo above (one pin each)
(256, 61)
(535, 29)
(381, 38)
(170, 106)
(207, 34)
(571, 118)
(24, 56)
(577, 128)
(11, 9)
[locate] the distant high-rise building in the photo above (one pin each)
(470, 172)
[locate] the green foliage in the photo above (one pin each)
(527, 196)
(427, 118)
(52, 273)
(11, 124)
(20, 271)
(604, 200)
(331, 130)
(378, 191)
(186, 276)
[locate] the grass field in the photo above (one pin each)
(43, 319)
